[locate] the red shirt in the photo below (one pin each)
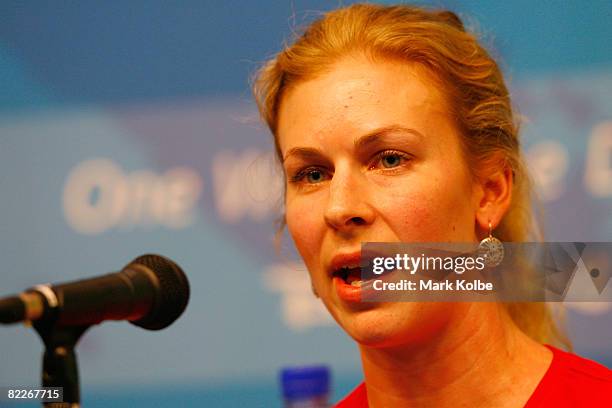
(570, 381)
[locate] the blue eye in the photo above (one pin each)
(309, 175)
(314, 176)
(391, 160)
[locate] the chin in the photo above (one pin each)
(385, 325)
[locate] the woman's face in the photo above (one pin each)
(371, 155)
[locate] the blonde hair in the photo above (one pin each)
(471, 81)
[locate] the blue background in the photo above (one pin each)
(149, 87)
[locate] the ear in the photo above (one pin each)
(494, 195)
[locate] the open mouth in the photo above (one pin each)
(355, 276)
(350, 276)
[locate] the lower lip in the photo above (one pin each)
(354, 294)
(346, 292)
(350, 293)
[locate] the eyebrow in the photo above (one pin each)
(364, 141)
(303, 152)
(375, 135)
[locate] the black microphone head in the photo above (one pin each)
(173, 295)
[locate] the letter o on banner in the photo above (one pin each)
(95, 195)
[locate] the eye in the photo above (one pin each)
(389, 159)
(310, 175)
(314, 176)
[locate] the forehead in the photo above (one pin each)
(357, 95)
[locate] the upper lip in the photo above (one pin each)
(355, 259)
(352, 259)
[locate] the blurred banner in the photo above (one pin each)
(128, 128)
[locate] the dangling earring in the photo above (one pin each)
(491, 249)
(314, 291)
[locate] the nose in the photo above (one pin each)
(348, 203)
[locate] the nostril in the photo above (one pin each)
(357, 221)
(340, 218)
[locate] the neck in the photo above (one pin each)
(478, 359)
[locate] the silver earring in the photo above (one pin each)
(491, 249)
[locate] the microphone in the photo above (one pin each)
(151, 292)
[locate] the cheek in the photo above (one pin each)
(304, 225)
(432, 211)
(414, 218)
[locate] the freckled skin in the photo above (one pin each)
(430, 198)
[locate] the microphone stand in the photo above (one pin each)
(59, 368)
